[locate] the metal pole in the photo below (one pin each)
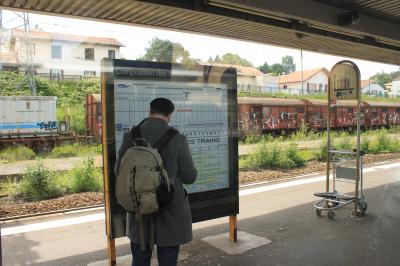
(328, 130)
(302, 81)
(1, 35)
(356, 212)
(29, 64)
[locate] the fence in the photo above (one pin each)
(60, 77)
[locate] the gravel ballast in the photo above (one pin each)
(10, 208)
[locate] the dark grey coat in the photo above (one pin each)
(174, 226)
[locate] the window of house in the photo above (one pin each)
(56, 52)
(285, 86)
(111, 54)
(89, 73)
(89, 54)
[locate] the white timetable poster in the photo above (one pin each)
(201, 114)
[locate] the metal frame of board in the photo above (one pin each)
(204, 205)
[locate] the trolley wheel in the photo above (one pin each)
(363, 205)
(318, 212)
(331, 215)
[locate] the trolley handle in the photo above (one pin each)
(348, 152)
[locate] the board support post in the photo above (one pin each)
(233, 228)
(112, 258)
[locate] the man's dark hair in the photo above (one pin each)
(161, 106)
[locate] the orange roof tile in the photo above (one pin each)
(42, 35)
(241, 70)
(365, 83)
(296, 76)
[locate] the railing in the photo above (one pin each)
(60, 77)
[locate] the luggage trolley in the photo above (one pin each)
(346, 165)
(344, 169)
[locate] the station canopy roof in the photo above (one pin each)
(365, 29)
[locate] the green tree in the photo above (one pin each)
(277, 69)
(232, 59)
(287, 64)
(382, 78)
(167, 51)
(265, 68)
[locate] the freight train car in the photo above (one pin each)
(282, 116)
(93, 116)
(382, 114)
(31, 121)
(258, 115)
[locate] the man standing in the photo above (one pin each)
(173, 227)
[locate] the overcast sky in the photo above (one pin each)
(136, 39)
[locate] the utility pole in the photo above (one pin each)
(29, 64)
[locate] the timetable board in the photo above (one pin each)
(201, 114)
(205, 113)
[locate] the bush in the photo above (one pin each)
(87, 177)
(322, 153)
(74, 150)
(344, 143)
(270, 156)
(17, 153)
(253, 139)
(382, 143)
(39, 183)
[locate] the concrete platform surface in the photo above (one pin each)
(282, 213)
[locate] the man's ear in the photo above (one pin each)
(169, 117)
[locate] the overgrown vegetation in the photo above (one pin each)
(86, 177)
(273, 156)
(39, 182)
(74, 150)
(16, 153)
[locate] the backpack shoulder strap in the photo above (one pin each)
(135, 132)
(164, 139)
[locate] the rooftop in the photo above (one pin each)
(296, 76)
(241, 70)
(56, 36)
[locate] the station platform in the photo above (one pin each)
(280, 212)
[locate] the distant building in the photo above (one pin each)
(58, 54)
(395, 88)
(249, 79)
(315, 81)
(388, 87)
(371, 87)
(269, 83)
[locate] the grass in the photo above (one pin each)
(74, 150)
(273, 156)
(39, 182)
(16, 153)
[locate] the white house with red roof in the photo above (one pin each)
(395, 91)
(65, 54)
(249, 79)
(372, 87)
(315, 81)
